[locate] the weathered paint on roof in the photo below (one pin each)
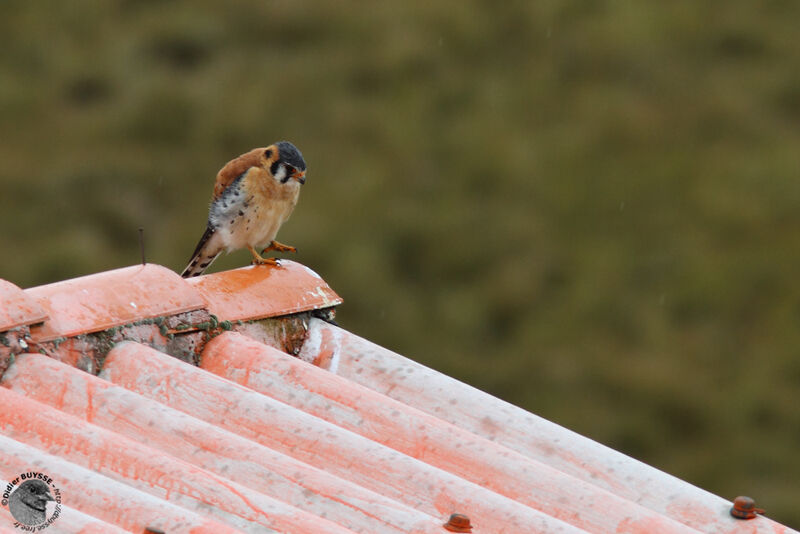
(113, 298)
(410, 383)
(99, 496)
(70, 520)
(17, 308)
(236, 434)
(249, 293)
(217, 450)
(398, 426)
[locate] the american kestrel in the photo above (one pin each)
(253, 196)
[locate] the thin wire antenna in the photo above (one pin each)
(141, 244)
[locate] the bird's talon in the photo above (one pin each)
(266, 261)
(259, 260)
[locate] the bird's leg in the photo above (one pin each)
(279, 247)
(259, 260)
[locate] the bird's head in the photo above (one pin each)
(35, 494)
(284, 162)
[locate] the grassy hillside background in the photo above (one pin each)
(589, 209)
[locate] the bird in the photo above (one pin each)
(29, 501)
(254, 194)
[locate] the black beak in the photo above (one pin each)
(298, 175)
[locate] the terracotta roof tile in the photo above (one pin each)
(113, 298)
(415, 385)
(200, 420)
(307, 438)
(69, 520)
(247, 294)
(18, 308)
(215, 449)
(397, 425)
(106, 499)
(115, 456)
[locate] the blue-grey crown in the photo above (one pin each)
(288, 153)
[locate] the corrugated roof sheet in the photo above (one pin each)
(227, 403)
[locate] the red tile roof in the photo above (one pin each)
(105, 300)
(238, 295)
(18, 308)
(226, 403)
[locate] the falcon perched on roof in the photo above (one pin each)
(254, 194)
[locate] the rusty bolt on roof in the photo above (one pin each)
(458, 523)
(745, 508)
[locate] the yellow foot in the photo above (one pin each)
(259, 260)
(279, 247)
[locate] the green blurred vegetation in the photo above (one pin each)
(587, 208)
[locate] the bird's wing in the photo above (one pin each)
(235, 168)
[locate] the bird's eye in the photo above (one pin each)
(268, 153)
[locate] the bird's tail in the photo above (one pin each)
(203, 255)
